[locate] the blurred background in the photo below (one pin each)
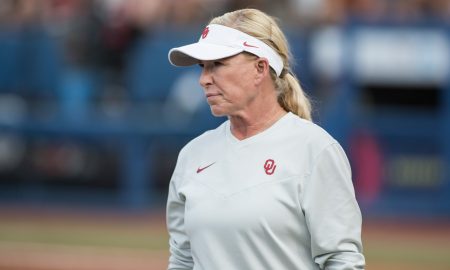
(92, 117)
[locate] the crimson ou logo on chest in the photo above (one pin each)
(270, 166)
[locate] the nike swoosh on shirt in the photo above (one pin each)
(199, 170)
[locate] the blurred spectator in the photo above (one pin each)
(188, 12)
(439, 9)
(19, 12)
(336, 12)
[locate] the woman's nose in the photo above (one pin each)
(205, 77)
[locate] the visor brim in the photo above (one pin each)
(194, 53)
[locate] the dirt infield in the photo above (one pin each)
(77, 240)
(407, 244)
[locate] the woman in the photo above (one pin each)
(267, 189)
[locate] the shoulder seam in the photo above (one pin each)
(316, 158)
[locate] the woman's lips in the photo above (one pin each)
(208, 95)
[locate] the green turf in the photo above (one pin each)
(84, 237)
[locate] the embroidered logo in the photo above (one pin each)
(205, 32)
(269, 166)
(248, 45)
(200, 169)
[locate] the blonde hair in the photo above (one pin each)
(258, 24)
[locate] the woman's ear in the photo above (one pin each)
(262, 69)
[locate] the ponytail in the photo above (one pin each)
(291, 96)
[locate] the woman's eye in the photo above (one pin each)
(217, 63)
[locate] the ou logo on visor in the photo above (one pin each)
(205, 32)
(269, 166)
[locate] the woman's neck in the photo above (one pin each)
(249, 124)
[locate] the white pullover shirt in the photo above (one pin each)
(280, 200)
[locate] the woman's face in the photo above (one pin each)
(229, 84)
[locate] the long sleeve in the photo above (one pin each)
(180, 250)
(332, 214)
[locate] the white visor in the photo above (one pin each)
(217, 42)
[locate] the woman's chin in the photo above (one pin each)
(218, 112)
